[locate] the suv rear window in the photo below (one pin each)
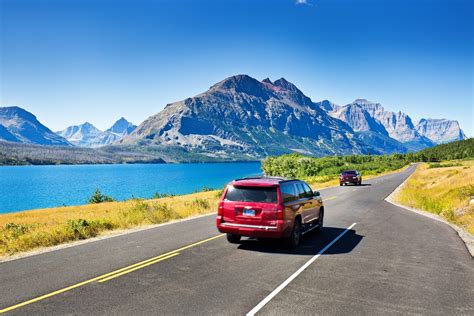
(252, 194)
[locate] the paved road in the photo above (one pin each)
(392, 261)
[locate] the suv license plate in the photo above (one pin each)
(248, 213)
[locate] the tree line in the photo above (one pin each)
(299, 166)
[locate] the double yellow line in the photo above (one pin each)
(114, 274)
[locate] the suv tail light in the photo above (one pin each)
(220, 209)
(280, 212)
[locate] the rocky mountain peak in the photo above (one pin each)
(22, 126)
(237, 82)
(440, 130)
(122, 126)
(10, 112)
(370, 106)
(89, 126)
(284, 84)
(243, 84)
(327, 105)
(87, 135)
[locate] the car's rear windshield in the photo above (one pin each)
(349, 172)
(251, 194)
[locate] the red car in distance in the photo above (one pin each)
(350, 176)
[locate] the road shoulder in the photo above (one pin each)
(466, 237)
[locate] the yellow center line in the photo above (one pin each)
(139, 267)
(105, 276)
(354, 190)
(330, 198)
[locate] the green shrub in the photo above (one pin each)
(98, 197)
(443, 165)
(466, 191)
(153, 213)
(80, 229)
(16, 230)
(200, 204)
(157, 195)
(207, 189)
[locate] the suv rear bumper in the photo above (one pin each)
(249, 230)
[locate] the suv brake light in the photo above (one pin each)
(220, 209)
(280, 212)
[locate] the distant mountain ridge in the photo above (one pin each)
(366, 116)
(20, 126)
(87, 135)
(440, 131)
(241, 115)
(241, 118)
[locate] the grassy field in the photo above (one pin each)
(28, 230)
(442, 188)
(24, 231)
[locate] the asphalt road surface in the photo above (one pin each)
(371, 258)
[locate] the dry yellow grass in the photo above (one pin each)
(445, 190)
(28, 230)
(48, 227)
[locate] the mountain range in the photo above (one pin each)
(87, 135)
(241, 115)
(241, 118)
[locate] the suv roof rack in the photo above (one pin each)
(264, 177)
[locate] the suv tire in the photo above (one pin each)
(294, 240)
(233, 239)
(320, 222)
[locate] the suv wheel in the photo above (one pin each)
(320, 222)
(294, 240)
(233, 239)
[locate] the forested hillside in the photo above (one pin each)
(24, 154)
(454, 150)
(296, 165)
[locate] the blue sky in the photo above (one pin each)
(70, 61)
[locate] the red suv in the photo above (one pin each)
(350, 176)
(269, 207)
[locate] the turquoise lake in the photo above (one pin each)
(32, 187)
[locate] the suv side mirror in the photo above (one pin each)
(316, 194)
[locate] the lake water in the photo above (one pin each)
(31, 187)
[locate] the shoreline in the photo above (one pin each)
(134, 163)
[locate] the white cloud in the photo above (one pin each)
(302, 2)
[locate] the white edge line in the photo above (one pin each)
(294, 275)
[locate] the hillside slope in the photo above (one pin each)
(19, 125)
